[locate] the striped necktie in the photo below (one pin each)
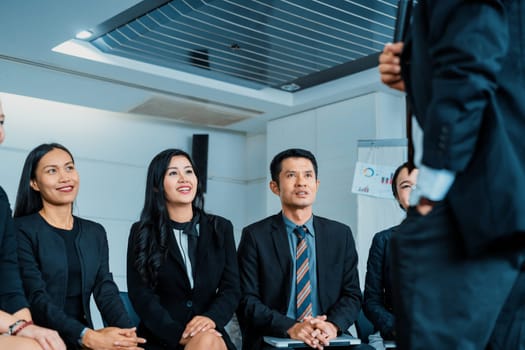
(302, 275)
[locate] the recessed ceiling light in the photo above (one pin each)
(85, 34)
(290, 87)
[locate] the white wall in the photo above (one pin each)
(257, 185)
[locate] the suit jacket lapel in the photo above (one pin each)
(322, 252)
(282, 249)
(206, 233)
(175, 253)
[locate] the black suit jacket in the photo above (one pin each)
(265, 266)
(377, 301)
(165, 310)
(464, 66)
(43, 263)
(12, 296)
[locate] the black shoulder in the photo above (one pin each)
(28, 222)
(220, 227)
(3, 196)
(383, 236)
(218, 221)
(91, 226)
(264, 224)
(332, 225)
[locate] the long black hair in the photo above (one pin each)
(29, 201)
(151, 242)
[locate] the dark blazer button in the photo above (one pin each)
(189, 303)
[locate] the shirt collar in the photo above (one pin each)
(290, 225)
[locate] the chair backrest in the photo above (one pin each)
(129, 308)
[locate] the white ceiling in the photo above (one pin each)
(30, 30)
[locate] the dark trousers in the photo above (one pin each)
(444, 299)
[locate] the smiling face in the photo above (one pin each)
(180, 183)
(56, 178)
(297, 186)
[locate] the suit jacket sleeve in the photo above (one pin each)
(252, 310)
(374, 296)
(12, 296)
(229, 292)
(345, 310)
(43, 307)
(147, 303)
(105, 291)
(466, 44)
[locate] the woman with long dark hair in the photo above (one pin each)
(15, 317)
(183, 279)
(64, 258)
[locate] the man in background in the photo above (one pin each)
(377, 303)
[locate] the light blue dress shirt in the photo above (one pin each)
(310, 240)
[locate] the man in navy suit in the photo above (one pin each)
(267, 263)
(458, 259)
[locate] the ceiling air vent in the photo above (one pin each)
(194, 111)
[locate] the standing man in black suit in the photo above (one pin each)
(267, 262)
(458, 269)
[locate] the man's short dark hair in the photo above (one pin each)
(276, 164)
(394, 180)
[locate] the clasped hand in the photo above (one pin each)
(197, 325)
(316, 332)
(47, 339)
(112, 338)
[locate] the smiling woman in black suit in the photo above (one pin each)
(15, 317)
(63, 258)
(183, 279)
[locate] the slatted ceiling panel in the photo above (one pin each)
(258, 43)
